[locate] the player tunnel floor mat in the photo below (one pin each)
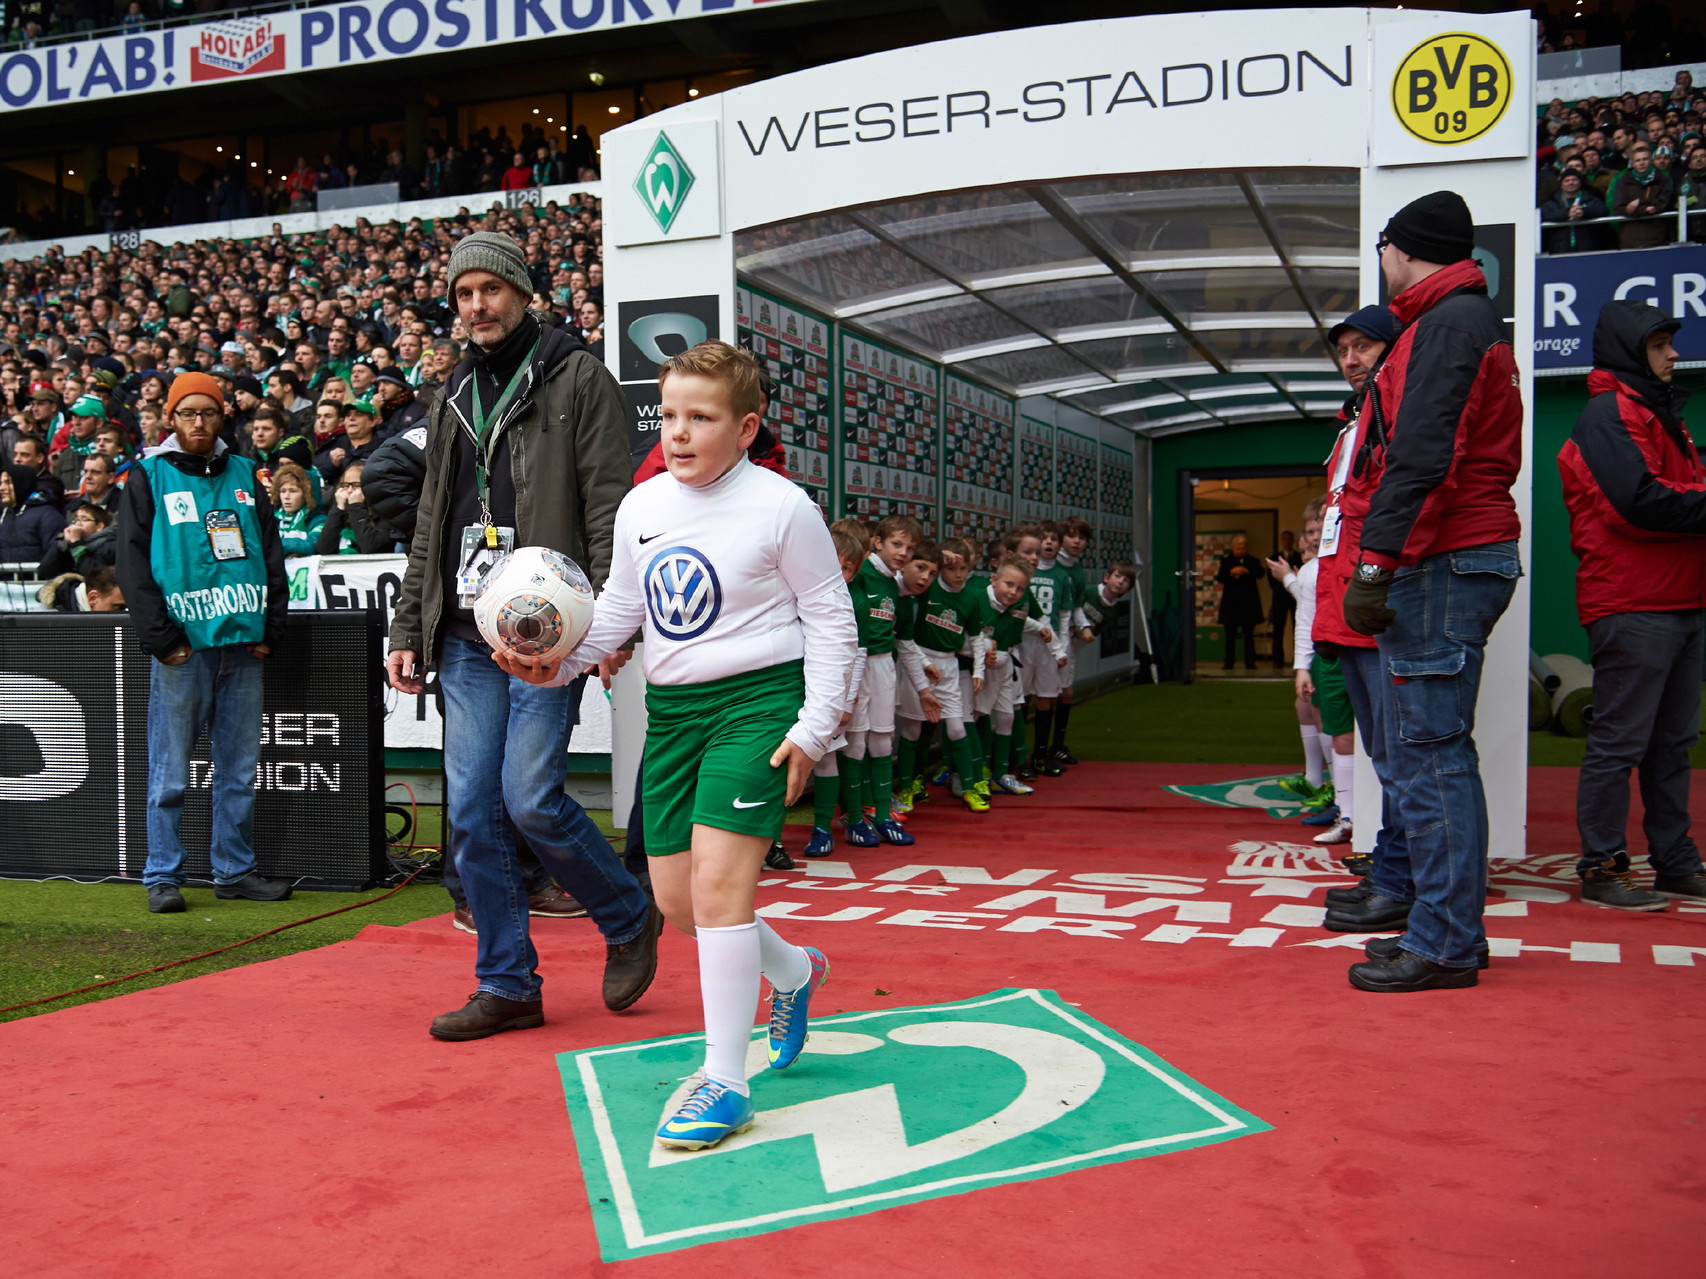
(883, 1107)
(293, 1118)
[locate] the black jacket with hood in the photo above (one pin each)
(29, 525)
(1633, 480)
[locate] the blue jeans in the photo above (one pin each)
(1446, 607)
(504, 747)
(219, 689)
(1371, 703)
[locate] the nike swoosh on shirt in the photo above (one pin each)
(757, 803)
(654, 537)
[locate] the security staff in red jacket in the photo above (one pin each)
(1436, 568)
(1637, 498)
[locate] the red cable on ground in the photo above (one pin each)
(160, 968)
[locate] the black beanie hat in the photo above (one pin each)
(1436, 228)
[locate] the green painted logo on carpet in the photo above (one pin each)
(1265, 793)
(883, 1108)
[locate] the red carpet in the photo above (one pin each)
(293, 1117)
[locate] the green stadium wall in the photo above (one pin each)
(1553, 627)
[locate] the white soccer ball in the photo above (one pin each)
(536, 603)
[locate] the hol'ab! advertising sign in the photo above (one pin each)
(316, 39)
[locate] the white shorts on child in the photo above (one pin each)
(1001, 693)
(906, 703)
(947, 689)
(1039, 676)
(874, 711)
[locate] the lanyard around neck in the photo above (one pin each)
(485, 437)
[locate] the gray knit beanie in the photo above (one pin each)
(490, 251)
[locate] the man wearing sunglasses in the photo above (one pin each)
(202, 569)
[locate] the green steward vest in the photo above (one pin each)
(216, 602)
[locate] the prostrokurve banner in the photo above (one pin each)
(319, 39)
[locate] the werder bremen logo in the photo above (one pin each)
(663, 182)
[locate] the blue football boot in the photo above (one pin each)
(821, 844)
(789, 1010)
(862, 834)
(892, 832)
(713, 1111)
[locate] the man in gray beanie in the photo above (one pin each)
(527, 446)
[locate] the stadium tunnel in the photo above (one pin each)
(977, 318)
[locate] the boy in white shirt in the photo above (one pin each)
(749, 641)
(1320, 684)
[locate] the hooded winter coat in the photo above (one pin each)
(29, 525)
(1633, 480)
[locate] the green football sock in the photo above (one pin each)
(825, 791)
(882, 784)
(986, 736)
(906, 759)
(852, 787)
(964, 757)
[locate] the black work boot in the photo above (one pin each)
(1373, 914)
(1387, 947)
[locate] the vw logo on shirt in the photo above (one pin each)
(683, 595)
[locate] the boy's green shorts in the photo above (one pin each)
(1331, 698)
(708, 749)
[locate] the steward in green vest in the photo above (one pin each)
(202, 571)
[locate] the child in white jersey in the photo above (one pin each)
(749, 641)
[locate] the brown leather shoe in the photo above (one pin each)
(552, 902)
(486, 1014)
(463, 919)
(630, 967)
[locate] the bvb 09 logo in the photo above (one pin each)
(1452, 88)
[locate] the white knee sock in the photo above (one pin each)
(911, 729)
(878, 744)
(826, 767)
(1344, 769)
(956, 728)
(728, 989)
(784, 965)
(1311, 753)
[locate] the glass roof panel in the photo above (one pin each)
(1302, 345)
(828, 260)
(1224, 290)
(1316, 211)
(1101, 397)
(1074, 304)
(1126, 357)
(980, 232)
(1023, 368)
(1168, 215)
(1335, 290)
(945, 324)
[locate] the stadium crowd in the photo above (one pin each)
(1639, 158)
(488, 162)
(325, 345)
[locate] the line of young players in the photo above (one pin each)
(943, 642)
